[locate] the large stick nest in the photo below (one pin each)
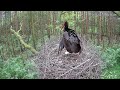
(50, 65)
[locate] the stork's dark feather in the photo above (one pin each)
(70, 40)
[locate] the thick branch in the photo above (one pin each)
(116, 13)
(22, 42)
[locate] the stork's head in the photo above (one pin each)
(65, 25)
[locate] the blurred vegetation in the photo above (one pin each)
(17, 68)
(111, 58)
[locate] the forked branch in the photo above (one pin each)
(22, 41)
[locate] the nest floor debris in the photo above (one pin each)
(50, 65)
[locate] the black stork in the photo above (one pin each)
(70, 40)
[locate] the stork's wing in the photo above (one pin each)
(71, 37)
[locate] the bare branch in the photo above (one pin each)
(20, 27)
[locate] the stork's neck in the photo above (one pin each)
(66, 28)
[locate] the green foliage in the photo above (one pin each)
(68, 16)
(111, 73)
(111, 56)
(17, 68)
(93, 30)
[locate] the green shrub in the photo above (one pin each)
(111, 73)
(17, 68)
(111, 56)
